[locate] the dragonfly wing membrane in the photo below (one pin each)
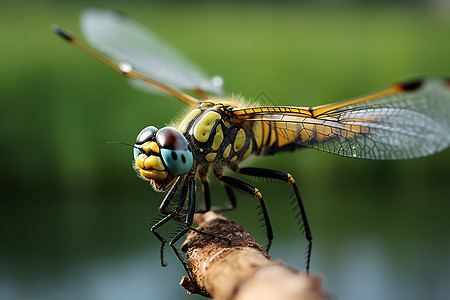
(127, 41)
(400, 125)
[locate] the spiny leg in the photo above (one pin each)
(286, 177)
(188, 224)
(249, 189)
(171, 215)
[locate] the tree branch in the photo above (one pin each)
(243, 270)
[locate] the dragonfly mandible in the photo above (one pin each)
(406, 120)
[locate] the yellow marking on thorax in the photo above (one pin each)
(210, 157)
(182, 127)
(222, 104)
(233, 159)
(265, 132)
(226, 153)
(202, 129)
(239, 140)
(226, 123)
(218, 138)
(257, 133)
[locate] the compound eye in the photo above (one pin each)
(146, 135)
(174, 151)
(170, 138)
(136, 153)
(178, 162)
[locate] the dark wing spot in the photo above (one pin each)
(174, 155)
(62, 33)
(183, 158)
(411, 85)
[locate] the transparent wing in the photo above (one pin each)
(127, 41)
(404, 121)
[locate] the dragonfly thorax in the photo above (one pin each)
(214, 138)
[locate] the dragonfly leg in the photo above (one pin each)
(168, 198)
(188, 225)
(231, 197)
(207, 197)
(171, 215)
(286, 177)
(206, 194)
(249, 189)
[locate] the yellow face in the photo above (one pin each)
(161, 155)
(152, 168)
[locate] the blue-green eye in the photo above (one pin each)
(178, 162)
(136, 153)
(174, 151)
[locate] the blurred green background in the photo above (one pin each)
(75, 219)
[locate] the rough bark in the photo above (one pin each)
(244, 269)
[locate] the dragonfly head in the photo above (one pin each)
(161, 155)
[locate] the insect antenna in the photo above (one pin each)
(122, 143)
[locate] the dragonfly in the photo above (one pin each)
(403, 121)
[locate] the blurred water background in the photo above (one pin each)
(74, 219)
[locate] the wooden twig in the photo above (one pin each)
(244, 269)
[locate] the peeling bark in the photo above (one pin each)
(244, 269)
